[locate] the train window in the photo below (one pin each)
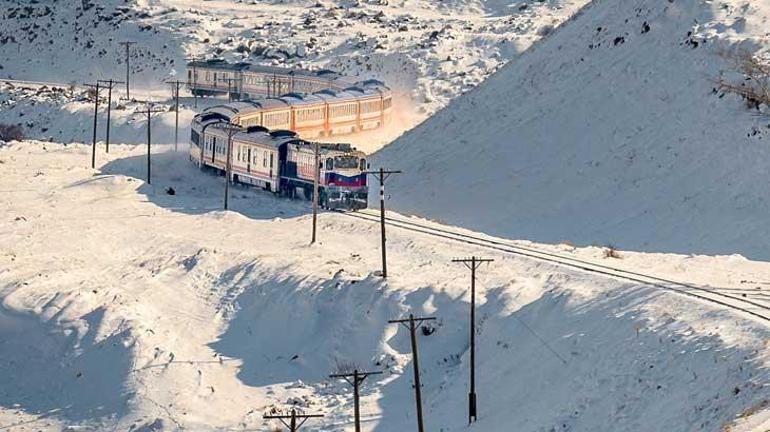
(362, 165)
(264, 159)
(271, 160)
(189, 75)
(346, 162)
(329, 164)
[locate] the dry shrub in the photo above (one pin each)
(11, 132)
(610, 251)
(754, 87)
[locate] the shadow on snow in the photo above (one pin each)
(199, 191)
(51, 374)
(557, 363)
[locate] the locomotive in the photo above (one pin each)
(281, 162)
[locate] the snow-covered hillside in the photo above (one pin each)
(610, 131)
(429, 51)
(126, 308)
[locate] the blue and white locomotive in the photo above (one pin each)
(281, 162)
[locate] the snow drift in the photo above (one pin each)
(609, 131)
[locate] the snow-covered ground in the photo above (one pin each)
(610, 131)
(126, 308)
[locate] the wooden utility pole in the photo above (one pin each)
(194, 83)
(292, 423)
(96, 112)
(383, 175)
(149, 111)
(355, 379)
(175, 94)
(231, 129)
(473, 263)
(412, 324)
(316, 181)
(230, 82)
(128, 44)
(110, 84)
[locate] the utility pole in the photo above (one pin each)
(412, 324)
(355, 379)
(231, 130)
(110, 84)
(473, 263)
(149, 111)
(194, 84)
(383, 175)
(292, 419)
(175, 94)
(96, 112)
(128, 44)
(316, 180)
(230, 82)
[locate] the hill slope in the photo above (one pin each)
(123, 307)
(608, 131)
(429, 51)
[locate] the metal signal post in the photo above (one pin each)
(383, 175)
(292, 423)
(355, 379)
(412, 324)
(473, 263)
(109, 84)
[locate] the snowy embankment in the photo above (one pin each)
(124, 307)
(65, 115)
(609, 131)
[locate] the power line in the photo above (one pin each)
(412, 324)
(355, 379)
(110, 84)
(96, 111)
(316, 181)
(292, 419)
(382, 175)
(149, 111)
(472, 263)
(175, 94)
(128, 44)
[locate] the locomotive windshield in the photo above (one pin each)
(345, 162)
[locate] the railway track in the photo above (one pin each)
(739, 303)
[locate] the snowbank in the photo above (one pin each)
(609, 131)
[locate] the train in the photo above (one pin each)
(281, 162)
(313, 104)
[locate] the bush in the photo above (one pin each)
(610, 251)
(754, 85)
(11, 133)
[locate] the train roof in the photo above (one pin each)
(275, 138)
(218, 64)
(295, 99)
(323, 74)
